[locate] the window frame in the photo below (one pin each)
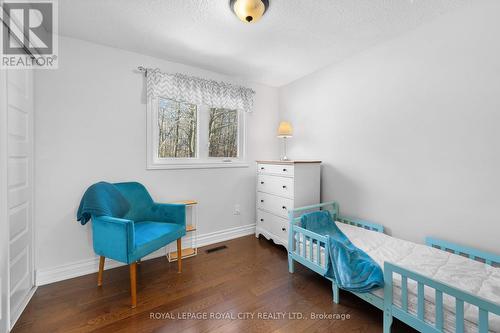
(199, 162)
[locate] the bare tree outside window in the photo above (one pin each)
(223, 133)
(177, 129)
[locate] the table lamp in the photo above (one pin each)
(285, 131)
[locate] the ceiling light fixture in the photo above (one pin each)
(249, 11)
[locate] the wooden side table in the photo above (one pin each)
(189, 242)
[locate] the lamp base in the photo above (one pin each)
(284, 157)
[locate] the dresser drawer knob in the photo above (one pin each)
(262, 183)
(261, 220)
(285, 170)
(283, 229)
(262, 168)
(284, 186)
(284, 207)
(261, 200)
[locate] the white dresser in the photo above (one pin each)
(284, 185)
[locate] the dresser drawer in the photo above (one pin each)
(275, 169)
(274, 204)
(282, 186)
(273, 224)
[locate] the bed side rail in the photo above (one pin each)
(488, 258)
(417, 321)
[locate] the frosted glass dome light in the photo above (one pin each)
(249, 11)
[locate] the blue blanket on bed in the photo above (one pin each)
(350, 267)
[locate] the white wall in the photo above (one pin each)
(409, 130)
(91, 126)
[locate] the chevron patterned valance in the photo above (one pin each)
(198, 91)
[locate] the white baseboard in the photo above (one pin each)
(224, 235)
(89, 266)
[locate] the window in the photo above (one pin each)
(223, 133)
(185, 135)
(177, 129)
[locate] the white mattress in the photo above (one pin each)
(460, 272)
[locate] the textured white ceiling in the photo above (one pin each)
(293, 39)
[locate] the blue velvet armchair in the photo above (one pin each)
(146, 227)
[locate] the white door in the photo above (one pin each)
(20, 189)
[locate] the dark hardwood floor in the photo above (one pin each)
(249, 278)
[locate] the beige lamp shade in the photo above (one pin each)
(285, 130)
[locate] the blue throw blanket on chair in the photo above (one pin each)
(102, 199)
(350, 267)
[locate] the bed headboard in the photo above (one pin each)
(333, 207)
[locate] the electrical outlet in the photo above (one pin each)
(237, 210)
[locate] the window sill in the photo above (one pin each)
(200, 165)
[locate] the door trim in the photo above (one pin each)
(25, 94)
(14, 316)
(4, 232)
(22, 307)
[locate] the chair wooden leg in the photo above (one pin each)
(101, 270)
(133, 284)
(179, 255)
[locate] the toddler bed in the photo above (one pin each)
(450, 292)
